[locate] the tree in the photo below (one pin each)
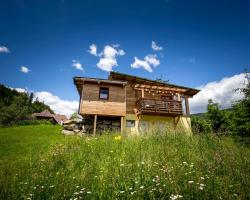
(17, 106)
(219, 119)
(73, 116)
(241, 112)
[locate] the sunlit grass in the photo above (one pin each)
(162, 166)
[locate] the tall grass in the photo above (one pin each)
(156, 166)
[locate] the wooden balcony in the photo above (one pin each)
(159, 107)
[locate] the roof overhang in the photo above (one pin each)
(148, 84)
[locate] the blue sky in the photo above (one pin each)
(202, 41)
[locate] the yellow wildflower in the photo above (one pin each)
(117, 138)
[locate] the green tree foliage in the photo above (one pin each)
(16, 106)
(218, 118)
(73, 116)
(200, 125)
(241, 112)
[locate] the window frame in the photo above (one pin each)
(103, 88)
(130, 121)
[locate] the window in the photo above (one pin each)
(130, 123)
(104, 93)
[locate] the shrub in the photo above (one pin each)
(32, 122)
(200, 125)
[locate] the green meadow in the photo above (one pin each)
(38, 162)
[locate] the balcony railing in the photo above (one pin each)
(159, 107)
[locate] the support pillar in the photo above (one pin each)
(95, 120)
(122, 124)
(187, 106)
(142, 93)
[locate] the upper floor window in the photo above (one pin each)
(104, 93)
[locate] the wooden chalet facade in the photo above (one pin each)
(138, 104)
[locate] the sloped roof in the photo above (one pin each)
(59, 118)
(47, 114)
(137, 79)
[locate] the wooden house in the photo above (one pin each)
(136, 103)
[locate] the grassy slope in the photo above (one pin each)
(27, 141)
(38, 162)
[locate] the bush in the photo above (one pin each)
(31, 122)
(200, 125)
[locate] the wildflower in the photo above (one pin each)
(77, 186)
(118, 138)
(81, 192)
(34, 188)
(202, 178)
(190, 182)
(142, 187)
(122, 165)
(201, 187)
(122, 192)
(83, 189)
(143, 163)
(89, 192)
(130, 188)
(74, 177)
(76, 193)
(51, 186)
(29, 198)
(173, 197)
(111, 151)
(185, 163)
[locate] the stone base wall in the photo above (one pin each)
(86, 125)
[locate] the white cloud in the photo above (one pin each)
(108, 57)
(93, 49)
(24, 69)
(21, 90)
(147, 64)
(4, 49)
(222, 92)
(76, 64)
(58, 105)
(155, 47)
(152, 60)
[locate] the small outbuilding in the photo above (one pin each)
(55, 118)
